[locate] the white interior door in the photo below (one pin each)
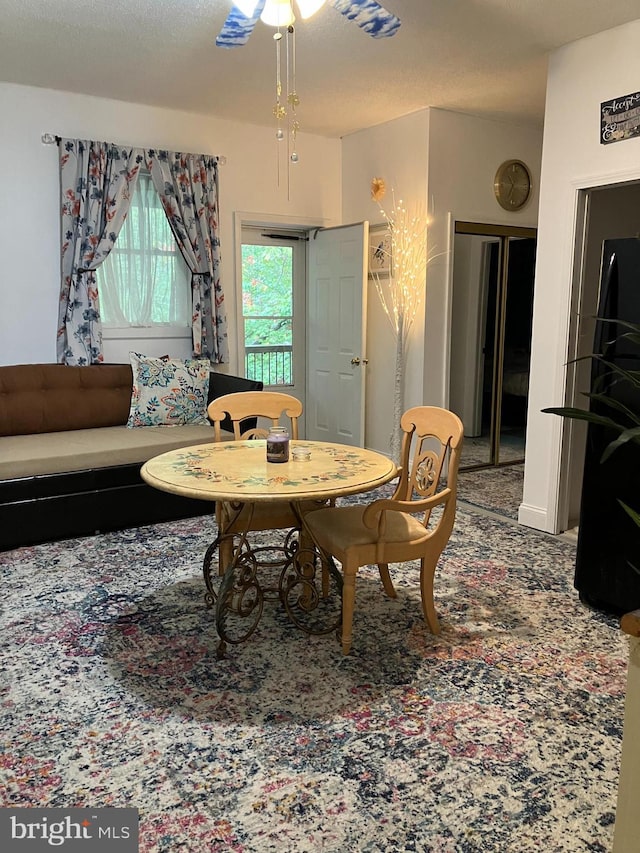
(336, 333)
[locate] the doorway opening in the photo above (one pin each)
(605, 212)
(273, 300)
(492, 311)
(301, 319)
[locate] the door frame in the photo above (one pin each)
(583, 306)
(274, 221)
(502, 232)
(257, 220)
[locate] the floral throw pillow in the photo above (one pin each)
(168, 391)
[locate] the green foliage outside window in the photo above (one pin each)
(267, 309)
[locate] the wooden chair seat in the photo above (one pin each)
(347, 529)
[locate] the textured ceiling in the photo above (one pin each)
(486, 57)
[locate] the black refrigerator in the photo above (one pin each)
(607, 574)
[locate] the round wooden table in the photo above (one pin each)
(238, 472)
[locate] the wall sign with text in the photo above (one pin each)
(620, 118)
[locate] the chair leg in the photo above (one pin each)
(427, 572)
(348, 601)
(387, 583)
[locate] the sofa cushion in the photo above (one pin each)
(80, 449)
(37, 398)
(168, 391)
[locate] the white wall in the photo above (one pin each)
(581, 76)
(29, 229)
(396, 151)
(448, 162)
(464, 154)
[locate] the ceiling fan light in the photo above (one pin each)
(278, 13)
(309, 7)
(247, 7)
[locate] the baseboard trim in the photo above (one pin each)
(534, 516)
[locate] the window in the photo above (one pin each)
(145, 281)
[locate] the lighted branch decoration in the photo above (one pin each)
(401, 293)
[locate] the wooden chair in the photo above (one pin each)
(400, 528)
(247, 406)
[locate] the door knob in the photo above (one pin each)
(356, 360)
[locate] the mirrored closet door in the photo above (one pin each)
(492, 308)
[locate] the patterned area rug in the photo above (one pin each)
(502, 734)
(494, 489)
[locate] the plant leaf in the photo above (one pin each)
(613, 321)
(584, 415)
(632, 375)
(625, 437)
(630, 512)
(612, 403)
(616, 375)
(633, 337)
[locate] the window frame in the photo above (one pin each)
(151, 331)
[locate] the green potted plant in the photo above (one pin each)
(611, 413)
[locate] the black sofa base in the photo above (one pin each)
(51, 507)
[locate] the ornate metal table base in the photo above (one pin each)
(304, 582)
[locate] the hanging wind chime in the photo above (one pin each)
(369, 15)
(285, 108)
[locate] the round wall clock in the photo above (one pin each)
(512, 184)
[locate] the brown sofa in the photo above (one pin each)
(69, 466)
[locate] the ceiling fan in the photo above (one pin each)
(367, 14)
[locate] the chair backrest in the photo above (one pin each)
(430, 457)
(240, 406)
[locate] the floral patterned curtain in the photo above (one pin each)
(96, 180)
(188, 187)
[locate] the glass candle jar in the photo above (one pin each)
(301, 454)
(278, 444)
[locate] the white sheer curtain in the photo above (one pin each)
(145, 281)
